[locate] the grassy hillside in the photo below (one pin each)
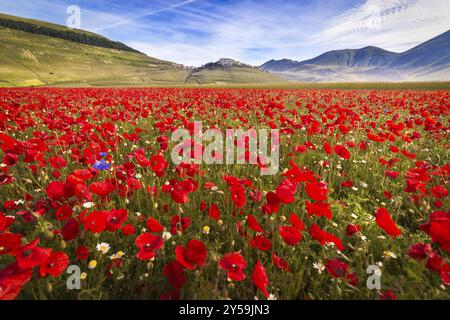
(231, 75)
(61, 32)
(28, 59)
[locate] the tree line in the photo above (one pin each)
(68, 34)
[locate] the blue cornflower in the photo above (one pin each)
(103, 154)
(101, 165)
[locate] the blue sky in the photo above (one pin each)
(194, 32)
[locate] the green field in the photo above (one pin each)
(233, 75)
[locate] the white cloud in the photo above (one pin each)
(395, 25)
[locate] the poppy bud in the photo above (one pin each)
(62, 244)
(47, 234)
(49, 287)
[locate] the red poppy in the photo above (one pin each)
(63, 213)
(96, 221)
(194, 255)
(280, 263)
(154, 226)
(238, 195)
(260, 279)
(10, 159)
(12, 279)
(253, 223)
(214, 212)
(336, 268)
(318, 209)
(384, 221)
(179, 224)
(352, 278)
(82, 252)
(347, 184)
(115, 219)
(438, 228)
(101, 189)
(148, 244)
(327, 147)
(57, 162)
(439, 191)
(261, 243)
(352, 229)
(388, 295)
(56, 190)
(9, 242)
(342, 152)
(55, 265)
(285, 191)
(273, 202)
(71, 230)
(435, 262)
(174, 273)
(30, 255)
(158, 165)
(290, 235)
(387, 194)
(324, 237)
(392, 174)
(5, 221)
(233, 264)
(6, 179)
(419, 251)
(128, 230)
(317, 190)
(6, 143)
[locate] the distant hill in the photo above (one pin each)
(430, 56)
(35, 59)
(230, 71)
(279, 65)
(365, 57)
(427, 61)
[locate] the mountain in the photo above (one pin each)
(227, 70)
(427, 61)
(279, 65)
(365, 57)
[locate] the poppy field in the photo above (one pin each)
(93, 207)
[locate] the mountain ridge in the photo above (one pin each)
(429, 60)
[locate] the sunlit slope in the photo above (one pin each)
(32, 59)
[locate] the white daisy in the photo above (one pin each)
(103, 247)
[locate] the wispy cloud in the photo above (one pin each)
(144, 14)
(392, 24)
